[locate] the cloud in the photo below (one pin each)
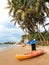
(15, 39)
(10, 34)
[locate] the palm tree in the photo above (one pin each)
(28, 13)
(24, 38)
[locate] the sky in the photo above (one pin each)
(9, 32)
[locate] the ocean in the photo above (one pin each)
(5, 46)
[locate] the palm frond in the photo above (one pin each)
(32, 12)
(46, 24)
(9, 2)
(10, 11)
(12, 20)
(7, 7)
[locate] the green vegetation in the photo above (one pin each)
(8, 43)
(29, 14)
(35, 36)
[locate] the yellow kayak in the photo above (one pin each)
(29, 54)
(22, 57)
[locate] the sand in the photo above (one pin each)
(7, 57)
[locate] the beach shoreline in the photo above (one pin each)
(7, 57)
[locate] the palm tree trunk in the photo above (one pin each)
(44, 28)
(40, 35)
(34, 25)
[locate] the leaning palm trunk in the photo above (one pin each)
(44, 28)
(40, 35)
(34, 25)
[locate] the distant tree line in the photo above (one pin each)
(9, 42)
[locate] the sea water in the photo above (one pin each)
(5, 46)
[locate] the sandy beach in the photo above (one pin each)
(7, 57)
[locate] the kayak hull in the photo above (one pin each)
(29, 55)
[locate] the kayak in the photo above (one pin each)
(29, 54)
